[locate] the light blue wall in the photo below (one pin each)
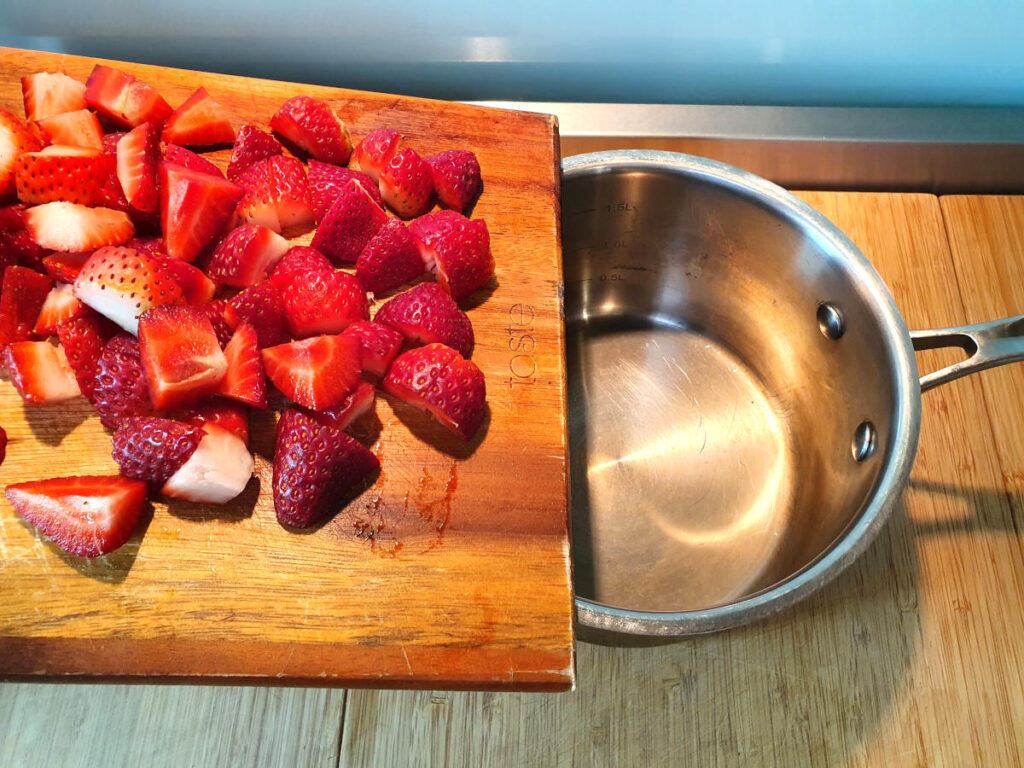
(870, 52)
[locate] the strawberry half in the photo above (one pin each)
(262, 307)
(276, 194)
(194, 209)
(73, 174)
(85, 516)
(437, 379)
(80, 128)
(199, 121)
(313, 126)
(120, 391)
(356, 404)
(216, 472)
(190, 160)
(246, 256)
(138, 156)
(180, 354)
(407, 184)
(64, 226)
(16, 139)
(124, 99)
(121, 283)
(318, 301)
(152, 449)
(315, 467)
(374, 152)
(349, 224)
(40, 372)
(47, 94)
(391, 258)
(316, 372)
(21, 299)
(457, 179)
(60, 305)
(426, 314)
(379, 344)
(83, 339)
(245, 379)
(251, 145)
(227, 414)
(326, 181)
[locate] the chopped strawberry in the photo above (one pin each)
(80, 128)
(374, 152)
(407, 184)
(318, 301)
(152, 246)
(199, 121)
(73, 174)
(228, 414)
(276, 194)
(152, 449)
(379, 344)
(188, 159)
(64, 226)
(391, 258)
(215, 311)
(216, 472)
(47, 94)
(356, 404)
(3, 445)
(251, 145)
(83, 338)
(60, 305)
(426, 314)
(316, 372)
(120, 391)
(40, 372)
(16, 244)
(196, 287)
(457, 249)
(22, 297)
(65, 266)
(349, 224)
(428, 229)
(121, 283)
(315, 467)
(138, 155)
(124, 99)
(245, 379)
(436, 379)
(85, 516)
(313, 126)
(16, 139)
(262, 307)
(246, 256)
(456, 175)
(326, 181)
(180, 354)
(194, 208)
(296, 263)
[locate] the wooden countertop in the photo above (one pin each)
(914, 656)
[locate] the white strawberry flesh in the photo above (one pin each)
(216, 472)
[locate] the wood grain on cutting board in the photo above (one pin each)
(452, 570)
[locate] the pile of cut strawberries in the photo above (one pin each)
(137, 275)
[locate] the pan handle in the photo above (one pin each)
(987, 345)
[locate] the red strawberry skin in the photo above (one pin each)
(16, 244)
(190, 160)
(73, 174)
(138, 156)
(379, 344)
(215, 311)
(375, 151)
(315, 467)
(391, 258)
(251, 145)
(199, 121)
(194, 209)
(318, 301)
(317, 372)
(245, 380)
(314, 126)
(276, 194)
(457, 179)
(180, 354)
(85, 516)
(123, 99)
(152, 449)
(15, 139)
(464, 262)
(262, 307)
(22, 297)
(349, 225)
(246, 256)
(83, 339)
(407, 184)
(425, 314)
(436, 379)
(326, 181)
(65, 266)
(120, 390)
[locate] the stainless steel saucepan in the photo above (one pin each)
(744, 402)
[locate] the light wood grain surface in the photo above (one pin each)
(465, 582)
(913, 657)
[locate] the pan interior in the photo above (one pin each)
(713, 403)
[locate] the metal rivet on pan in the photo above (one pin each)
(865, 441)
(830, 321)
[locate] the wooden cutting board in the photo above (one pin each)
(452, 570)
